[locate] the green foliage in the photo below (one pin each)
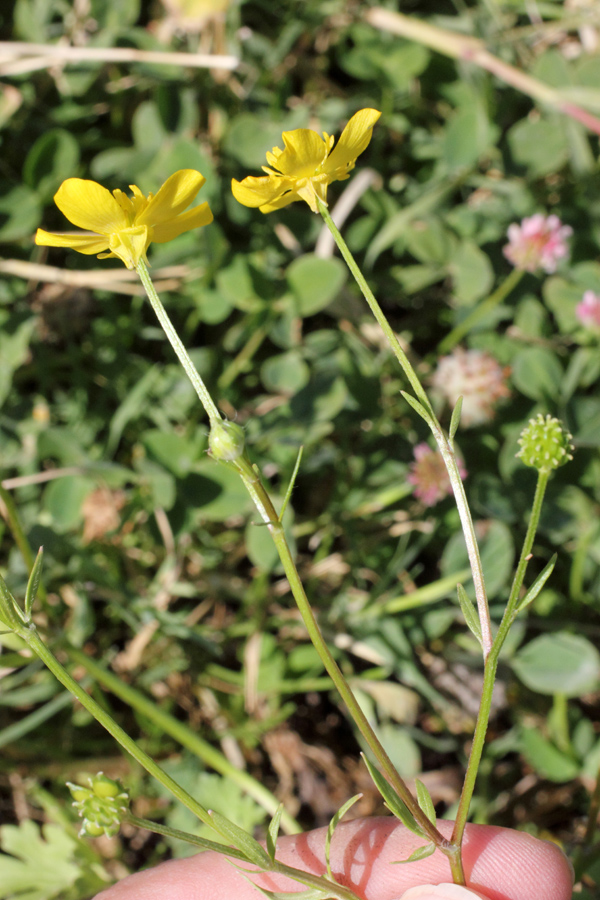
(559, 663)
(36, 864)
(155, 561)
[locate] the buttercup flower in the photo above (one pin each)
(307, 166)
(588, 311)
(539, 242)
(429, 475)
(122, 226)
(477, 377)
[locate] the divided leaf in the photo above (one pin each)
(418, 408)
(469, 612)
(332, 826)
(34, 582)
(393, 802)
(455, 420)
(425, 801)
(273, 831)
(240, 839)
(537, 585)
(416, 855)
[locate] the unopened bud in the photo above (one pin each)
(545, 444)
(226, 441)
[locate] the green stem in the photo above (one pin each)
(269, 516)
(375, 308)
(491, 665)
(319, 882)
(560, 723)
(483, 717)
(20, 538)
(534, 520)
(442, 441)
(184, 735)
(470, 537)
(207, 402)
(481, 311)
(594, 811)
(32, 638)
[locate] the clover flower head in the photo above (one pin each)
(545, 444)
(102, 805)
(307, 165)
(429, 476)
(539, 242)
(120, 226)
(588, 311)
(475, 376)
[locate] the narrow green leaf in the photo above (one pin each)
(418, 408)
(204, 843)
(311, 894)
(11, 614)
(425, 801)
(454, 421)
(273, 831)
(419, 853)
(240, 839)
(469, 612)
(393, 802)
(537, 585)
(332, 826)
(33, 583)
(288, 493)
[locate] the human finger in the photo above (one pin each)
(499, 863)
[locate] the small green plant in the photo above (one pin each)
(327, 448)
(126, 227)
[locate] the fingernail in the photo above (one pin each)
(441, 892)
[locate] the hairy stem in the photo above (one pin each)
(491, 664)
(205, 398)
(268, 514)
(441, 439)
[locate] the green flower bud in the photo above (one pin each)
(104, 787)
(101, 805)
(226, 441)
(545, 444)
(92, 830)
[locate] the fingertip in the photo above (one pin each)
(441, 892)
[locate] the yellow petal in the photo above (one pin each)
(282, 201)
(174, 196)
(354, 139)
(83, 243)
(90, 206)
(193, 218)
(304, 152)
(254, 191)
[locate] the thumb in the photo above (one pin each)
(441, 892)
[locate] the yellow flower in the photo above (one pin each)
(307, 165)
(126, 226)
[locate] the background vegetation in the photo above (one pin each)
(155, 566)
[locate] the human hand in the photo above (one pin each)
(500, 864)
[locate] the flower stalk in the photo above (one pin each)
(182, 355)
(440, 437)
(272, 520)
(491, 664)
